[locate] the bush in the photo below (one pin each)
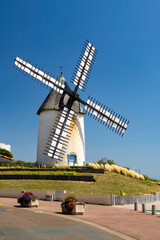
(108, 167)
(6, 153)
(102, 166)
(110, 162)
(124, 171)
(150, 179)
(116, 168)
(70, 198)
(100, 161)
(56, 166)
(93, 165)
(131, 173)
(141, 177)
(98, 166)
(19, 163)
(137, 175)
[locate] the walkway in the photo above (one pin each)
(115, 220)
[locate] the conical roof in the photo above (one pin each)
(56, 101)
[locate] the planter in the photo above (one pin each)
(31, 203)
(77, 210)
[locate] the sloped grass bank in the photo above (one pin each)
(108, 183)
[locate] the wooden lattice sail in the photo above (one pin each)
(59, 138)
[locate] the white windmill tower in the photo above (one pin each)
(61, 140)
(48, 113)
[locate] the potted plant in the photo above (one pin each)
(72, 206)
(28, 199)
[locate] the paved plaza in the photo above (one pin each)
(18, 223)
(98, 222)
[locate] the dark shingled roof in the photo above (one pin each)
(56, 101)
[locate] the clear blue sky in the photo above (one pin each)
(126, 74)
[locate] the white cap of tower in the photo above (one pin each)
(62, 79)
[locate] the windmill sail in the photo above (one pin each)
(60, 135)
(57, 145)
(38, 74)
(106, 116)
(84, 65)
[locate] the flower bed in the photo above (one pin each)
(28, 199)
(72, 206)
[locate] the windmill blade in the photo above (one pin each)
(106, 116)
(84, 66)
(39, 74)
(60, 135)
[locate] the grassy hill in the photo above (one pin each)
(109, 182)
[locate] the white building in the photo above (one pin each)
(5, 146)
(5, 159)
(51, 107)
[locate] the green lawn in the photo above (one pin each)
(106, 183)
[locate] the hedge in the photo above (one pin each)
(49, 177)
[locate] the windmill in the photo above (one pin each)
(63, 126)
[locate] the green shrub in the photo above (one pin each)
(110, 162)
(5, 152)
(70, 198)
(56, 166)
(19, 163)
(146, 177)
(65, 173)
(150, 179)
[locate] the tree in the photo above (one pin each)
(6, 153)
(105, 160)
(110, 162)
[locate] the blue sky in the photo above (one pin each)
(125, 77)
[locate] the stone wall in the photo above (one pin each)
(105, 199)
(102, 199)
(14, 193)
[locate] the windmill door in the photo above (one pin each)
(72, 160)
